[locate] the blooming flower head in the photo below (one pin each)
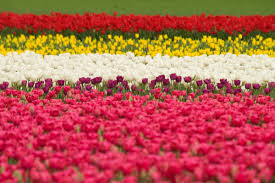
(166, 82)
(152, 86)
(256, 86)
(198, 91)
(93, 81)
(78, 87)
(207, 81)
(110, 84)
(120, 88)
(199, 82)
(48, 80)
(173, 76)
(88, 87)
(67, 88)
(223, 81)
(98, 80)
(57, 89)
(46, 89)
(238, 90)
(87, 80)
(228, 85)
(267, 90)
(210, 86)
(82, 80)
(62, 82)
(229, 90)
(153, 82)
(145, 80)
(178, 79)
(160, 78)
(37, 85)
(133, 87)
(247, 85)
(124, 83)
(237, 82)
(271, 84)
(166, 89)
(220, 85)
(187, 79)
(114, 83)
(4, 85)
(30, 84)
(24, 82)
(109, 92)
(119, 78)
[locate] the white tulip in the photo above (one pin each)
(31, 66)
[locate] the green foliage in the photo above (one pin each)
(171, 33)
(12, 161)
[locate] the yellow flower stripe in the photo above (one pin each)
(58, 44)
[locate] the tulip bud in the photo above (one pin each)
(24, 82)
(60, 82)
(46, 89)
(187, 79)
(199, 82)
(220, 85)
(256, 86)
(178, 79)
(88, 87)
(119, 78)
(247, 86)
(30, 84)
(133, 87)
(166, 82)
(109, 92)
(166, 90)
(267, 91)
(160, 78)
(173, 76)
(271, 84)
(207, 81)
(237, 82)
(145, 80)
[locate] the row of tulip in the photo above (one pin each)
(131, 23)
(31, 66)
(181, 87)
(89, 138)
(176, 46)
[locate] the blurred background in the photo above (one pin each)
(151, 7)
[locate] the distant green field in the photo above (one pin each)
(171, 7)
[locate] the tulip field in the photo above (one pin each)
(99, 98)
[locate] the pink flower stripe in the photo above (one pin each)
(92, 138)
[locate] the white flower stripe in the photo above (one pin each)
(31, 66)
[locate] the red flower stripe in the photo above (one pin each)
(102, 22)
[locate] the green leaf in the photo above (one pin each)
(18, 175)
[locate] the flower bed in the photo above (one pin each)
(175, 46)
(147, 99)
(126, 23)
(179, 86)
(30, 66)
(92, 139)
